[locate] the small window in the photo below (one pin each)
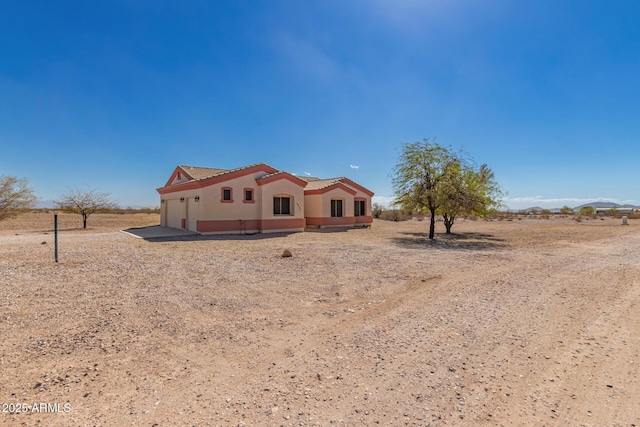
(359, 208)
(248, 196)
(282, 206)
(336, 208)
(226, 195)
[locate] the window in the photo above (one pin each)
(282, 206)
(336, 208)
(226, 196)
(248, 195)
(359, 208)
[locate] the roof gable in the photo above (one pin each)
(277, 176)
(330, 186)
(189, 177)
(358, 187)
(319, 186)
(215, 176)
(199, 173)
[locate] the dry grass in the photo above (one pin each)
(529, 322)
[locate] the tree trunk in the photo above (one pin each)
(448, 222)
(84, 220)
(432, 225)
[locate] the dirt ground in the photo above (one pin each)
(528, 322)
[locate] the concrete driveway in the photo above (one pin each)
(157, 232)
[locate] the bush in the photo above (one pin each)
(394, 215)
(587, 210)
(376, 210)
(566, 210)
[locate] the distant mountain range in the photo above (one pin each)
(605, 205)
(577, 208)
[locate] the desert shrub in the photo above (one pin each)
(376, 210)
(577, 218)
(587, 210)
(566, 210)
(395, 215)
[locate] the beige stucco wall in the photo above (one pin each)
(178, 208)
(213, 209)
(177, 180)
(361, 195)
(210, 206)
(337, 193)
(282, 187)
(313, 205)
(318, 209)
(212, 215)
(319, 205)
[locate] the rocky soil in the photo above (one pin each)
(530, 322)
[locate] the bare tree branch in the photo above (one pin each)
(85, 202)
(15, 195)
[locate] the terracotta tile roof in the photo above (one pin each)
(200, 173)
(280, 175)
(319, 184)
(308, 178)
(272, 174)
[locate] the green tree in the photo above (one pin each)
(85, 203)
(587, 210)
(420, 177)
(566, 210)
(468, 191)
(376, 210)
(15, 195)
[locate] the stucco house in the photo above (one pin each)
(336, 202)
(259, 199)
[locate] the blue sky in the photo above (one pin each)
(113, 95)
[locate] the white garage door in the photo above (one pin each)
(174, 213)
(192, 209)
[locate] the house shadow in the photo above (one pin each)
(165, 234)
(223, 237)
(466, 241)
(332, 229)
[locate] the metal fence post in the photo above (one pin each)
(55, 233)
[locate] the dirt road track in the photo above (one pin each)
(530, 322)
